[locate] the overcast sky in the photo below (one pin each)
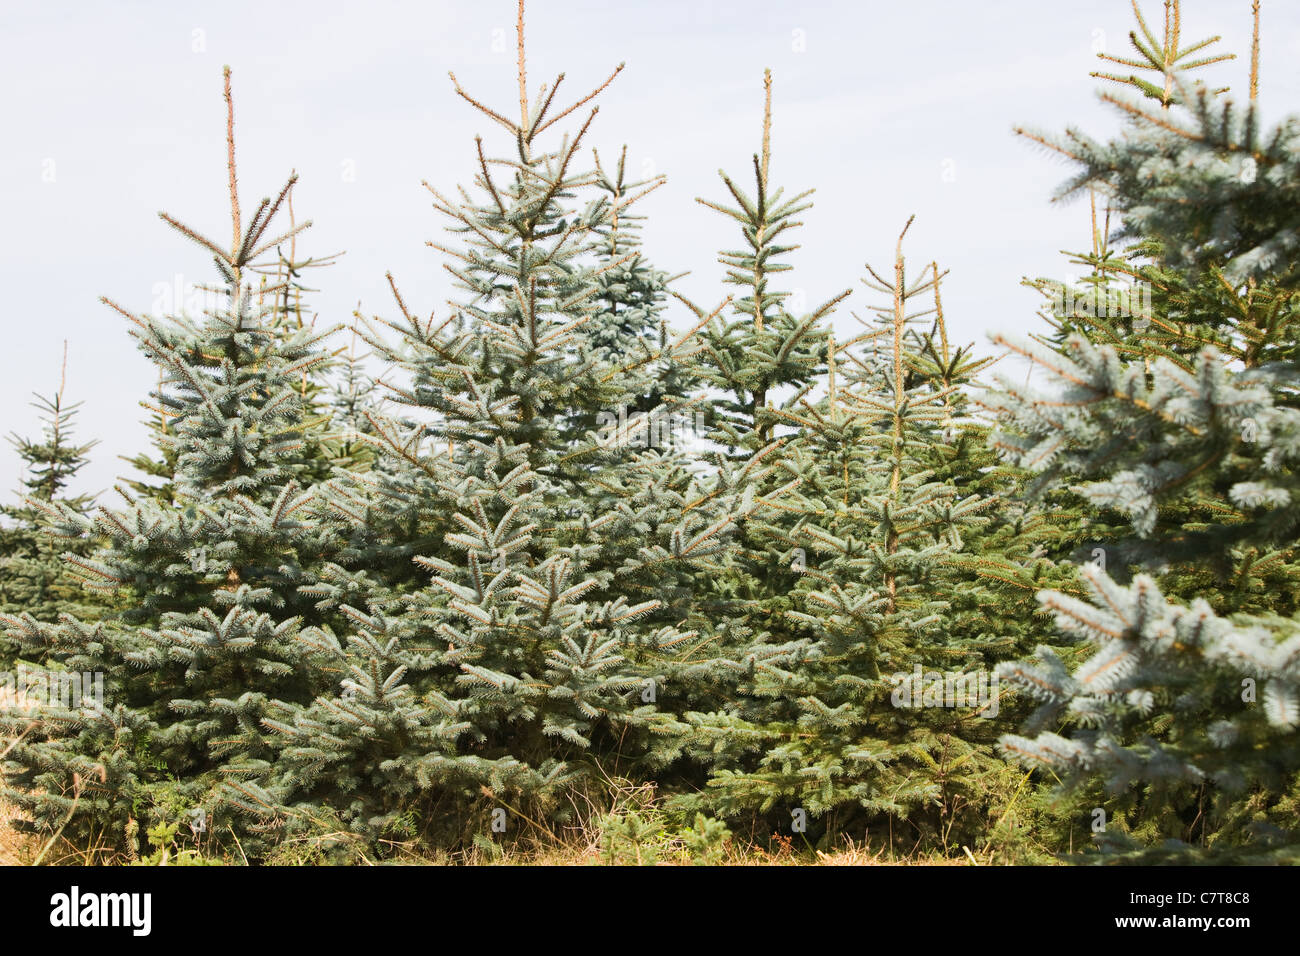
(113, 111)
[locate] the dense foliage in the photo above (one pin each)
(797, 583)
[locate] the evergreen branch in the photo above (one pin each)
(578, 105)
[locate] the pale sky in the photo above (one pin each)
(113, 112)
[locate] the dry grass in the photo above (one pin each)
(20, 849)
(740, 855)
(587, 853)
(16, 849)
(577, 845)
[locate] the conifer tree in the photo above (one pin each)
(891, 718)
(209, 583)
(282, 301)
(548, 638)
(763, 349)
(760, 359)
(1185, 436)
(32, 577)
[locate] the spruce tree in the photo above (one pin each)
(32, 576)
(1184, 436)
(546, 649)
(760, 360)
(209, 583)
(891, 720)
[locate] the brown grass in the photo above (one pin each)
(578, 845)
(21, 849)
(16, 849)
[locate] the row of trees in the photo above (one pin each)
(563, 544)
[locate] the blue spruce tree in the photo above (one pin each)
(208, 581)
(1181, 432)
